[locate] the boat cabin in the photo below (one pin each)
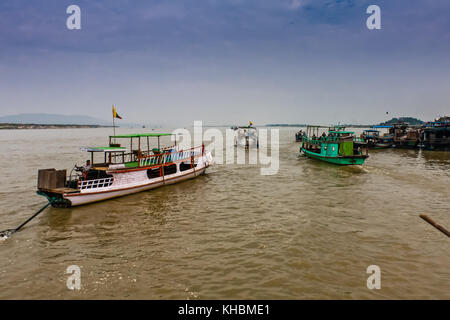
(337, 142)
(371, 134)
(337, 146)
(436, 134)
(118, 170)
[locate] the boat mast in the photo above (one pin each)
(114, 127)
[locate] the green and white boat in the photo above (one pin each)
(335, 147)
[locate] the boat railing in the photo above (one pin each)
(320, 139)
(135, 155)
(122, 157)
(96, 183)
(171, 156)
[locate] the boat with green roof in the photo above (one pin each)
(336, 147)
(116, 170)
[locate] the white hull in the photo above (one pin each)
(246, 138)
(134, 182)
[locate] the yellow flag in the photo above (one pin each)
(115, 114)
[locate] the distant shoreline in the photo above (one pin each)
(6, 126)
(305, 125)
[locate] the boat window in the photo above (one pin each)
(185, 166)
(153, 173)
(170, 169)
(94, 174)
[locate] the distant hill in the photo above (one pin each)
(44, 118)
(409, 120)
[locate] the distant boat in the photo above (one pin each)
(436, 134)
(246, 137)
(299, 136)
(121, 171)
(372, 139)
(404, 136)
(336, 147)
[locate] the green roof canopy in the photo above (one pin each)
(140, 135)
(349, 132)
(104, 149)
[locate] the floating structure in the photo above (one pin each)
(436, 134)
(121, 171)
(246, 137)
(373, 139)
(299, 136)
(336, 147)
(404, 136)
(433, 135)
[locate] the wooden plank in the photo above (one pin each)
(60, 178)
(434, 224)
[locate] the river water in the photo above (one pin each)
(308, 232)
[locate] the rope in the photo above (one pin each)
(9, 232)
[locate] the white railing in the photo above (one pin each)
(173, 156)
(93, 184)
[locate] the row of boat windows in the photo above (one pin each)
(437, 134)
(170, 169)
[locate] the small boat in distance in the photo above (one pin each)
(121, 171)
(372, 139)
(436, 134)
(405, 136)
(246, 137)
(336, 147)
(298, 136)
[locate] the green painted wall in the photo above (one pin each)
(346, 148)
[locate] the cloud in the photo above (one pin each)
(295, 4)
(270, 52)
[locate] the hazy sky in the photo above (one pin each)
(226, 61)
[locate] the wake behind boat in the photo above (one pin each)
(121, 171)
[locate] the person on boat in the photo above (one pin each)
(86, 169)
(87, 166)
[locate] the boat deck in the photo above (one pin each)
(60, 190)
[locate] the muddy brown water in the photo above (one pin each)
(308, 232)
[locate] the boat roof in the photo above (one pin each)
(104, 149)
(349, 132)
(371, 130)
(382, 126)
(140, 135)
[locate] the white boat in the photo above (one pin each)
(246, 137)
(122, 171)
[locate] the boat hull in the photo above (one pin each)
(77, 199)
(382, 146)
(341, 160)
